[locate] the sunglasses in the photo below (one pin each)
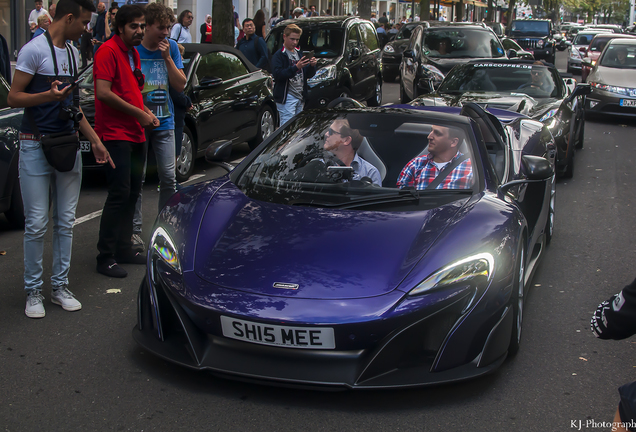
(331, 132)
(139, 76)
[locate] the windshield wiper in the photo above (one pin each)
(403, 195)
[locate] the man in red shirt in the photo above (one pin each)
(120, 119)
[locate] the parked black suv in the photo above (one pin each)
(347, 50)
(535, 36)
(433, 51)
(392, 51)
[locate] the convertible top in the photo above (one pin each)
(210, 48)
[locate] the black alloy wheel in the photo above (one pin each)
(517, 301)
(580, 135)
(568, 170)
(185, 160)
(376, 99)
(549, 224)
(266, 126)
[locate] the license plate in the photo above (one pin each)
(85, 146)
(275, 335)
(628, 102)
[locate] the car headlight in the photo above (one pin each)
(323, 74)
(540, 43)
(389, 48)
(593, 62)
(549, 114)
(575, 54)
(464, 271)
(163, 247)
(625, 91)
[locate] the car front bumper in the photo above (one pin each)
(405, 346)
(604, 102)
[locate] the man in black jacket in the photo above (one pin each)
(252, 46)
(615, 318)
(290, 75)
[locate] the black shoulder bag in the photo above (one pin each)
(60, 149)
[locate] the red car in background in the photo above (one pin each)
(595, 49)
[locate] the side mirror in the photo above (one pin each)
(511, 53)
(218, 152)
(355, 54)
(537, 169)
(209, 82)
(581, 89)
(408, 54)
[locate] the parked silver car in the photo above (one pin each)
(613, 80)
(578, 47)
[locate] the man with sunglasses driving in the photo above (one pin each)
(120, 119)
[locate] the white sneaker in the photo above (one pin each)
(65, 298)
(34, 306)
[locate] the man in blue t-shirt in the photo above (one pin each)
(162, 66)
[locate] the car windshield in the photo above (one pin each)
(584, 38)
(326, 42)
(406, 30)
(313, 162)
(619, 57)
(462, 43)
(504, 79)
(599, 43)
(537, 28)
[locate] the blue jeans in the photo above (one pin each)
(37, 177)
(162, 143)
(290, 108)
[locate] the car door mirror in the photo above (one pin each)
(209, 82)
(511, 53)
(218, 152)
(408, 54)
(536, 169)
(355, 53)
(581, 89)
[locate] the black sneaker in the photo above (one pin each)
(131, 257)
(110, 268)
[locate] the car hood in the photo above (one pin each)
(302, 252)
(614, 76)
(446, 64)
(522, 104)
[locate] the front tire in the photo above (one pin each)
(568, 172)
(403, 97)
(15, 214)
(580, 136)
(376, 99)
(549, 225)
(185, 160)
(266, 126)
(518, 297)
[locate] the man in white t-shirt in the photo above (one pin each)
(181, 31)
(35, 14)
(43, 85)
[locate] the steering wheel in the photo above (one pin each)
(329, 158)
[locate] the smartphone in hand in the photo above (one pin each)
(309, 54)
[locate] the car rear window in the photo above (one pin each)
(326, 42)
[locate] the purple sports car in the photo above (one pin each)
(314, 264)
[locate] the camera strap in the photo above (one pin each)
(74, 74)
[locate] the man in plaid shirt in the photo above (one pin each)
(443, 146)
